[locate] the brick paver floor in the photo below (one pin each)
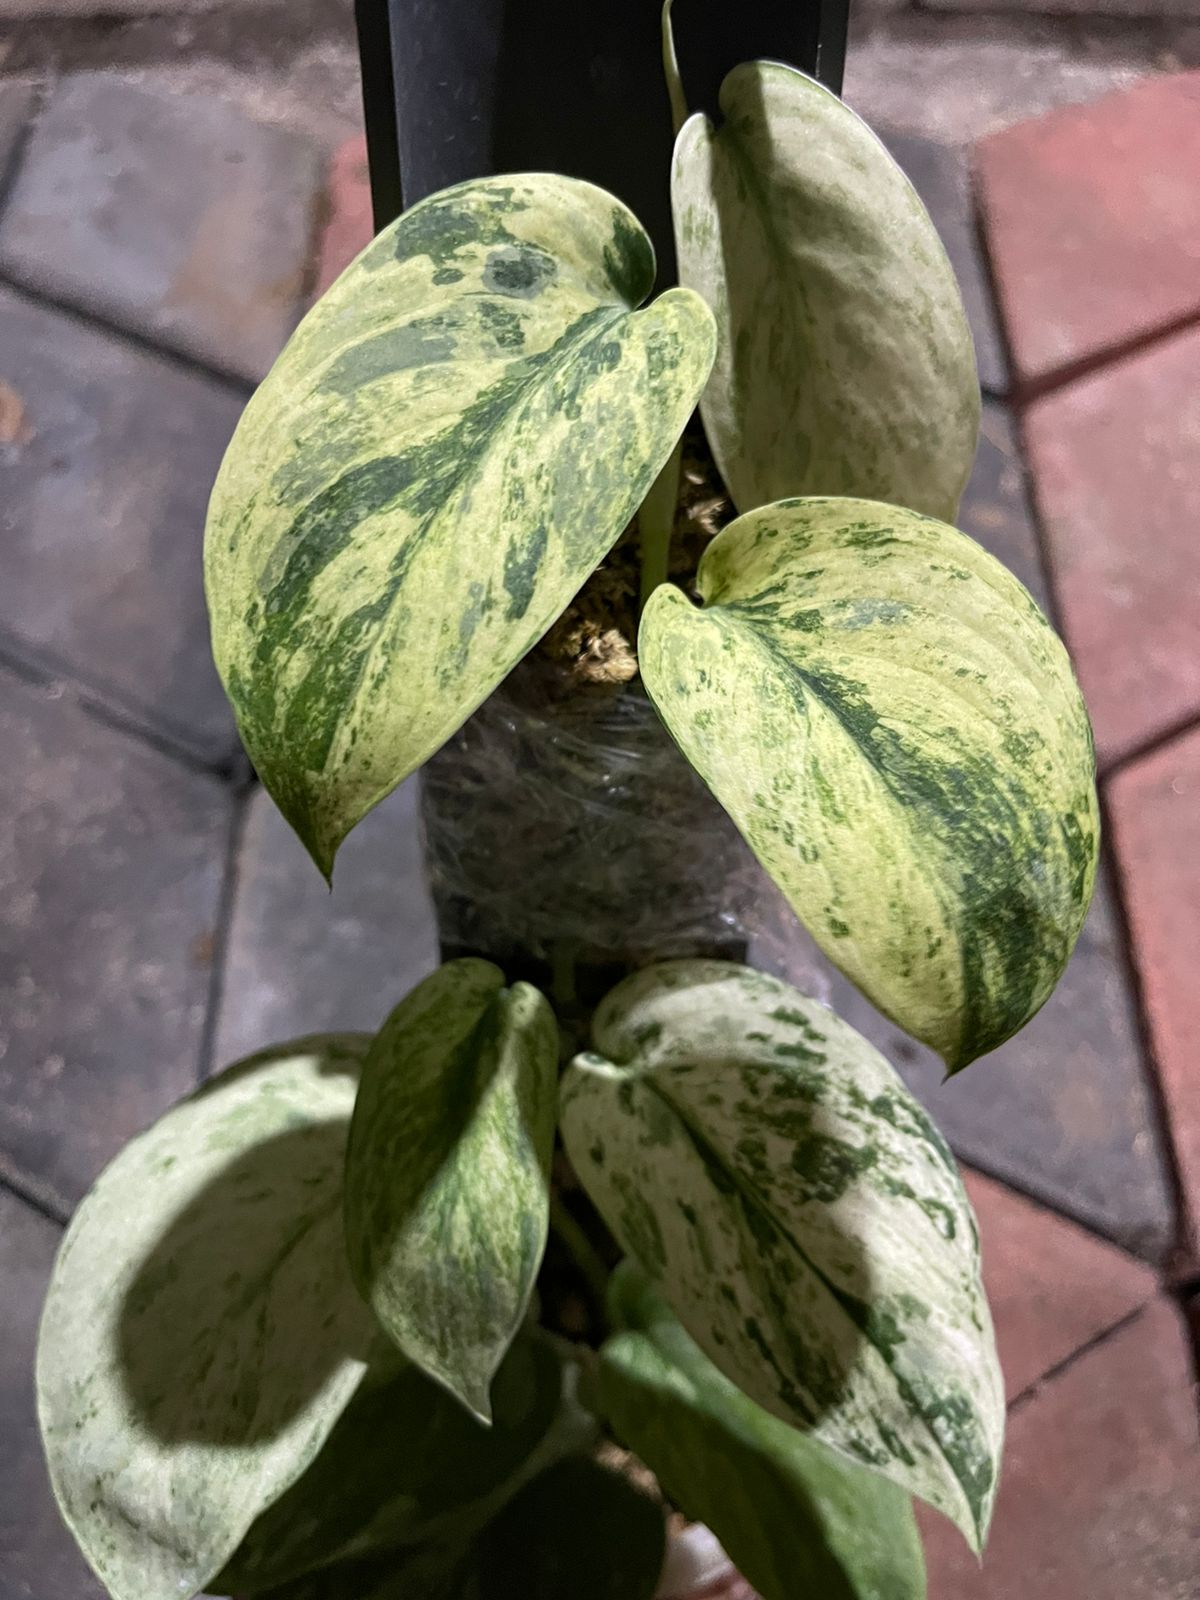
(157, 918)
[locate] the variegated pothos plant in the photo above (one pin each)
(291, 1346)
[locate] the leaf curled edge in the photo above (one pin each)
(844, 360)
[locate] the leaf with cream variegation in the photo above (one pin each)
(769, 1170)
(844, 361)
(896, 730)
(202, 1335)
(448, 1171)
(452, 440)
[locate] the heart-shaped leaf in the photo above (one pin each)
(769, 1170)
(202, 1335)
(447, 1170)
(844, 362)
(795, 1518)
(407, 1466)
(895, 728)
(452, 440)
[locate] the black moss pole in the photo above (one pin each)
(456, 89)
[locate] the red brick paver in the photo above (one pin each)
(1052, 1286)
(348, 226)
(1155, 809)
(1098, 1496)
(1093, 223)
(1116, 466)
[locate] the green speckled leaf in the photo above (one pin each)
(802, 1215)
(447, 1171)
(452, 440)
(202, 1335)
(407, 1466)
(894, 726)
(795, 1518)
(844, 361)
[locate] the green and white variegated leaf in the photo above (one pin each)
(452, 440)
(844, 361)
(407, 1467)
(802, 1215)
(202, 1335)
(447, 1171)
(895, 728)
(795, 1517)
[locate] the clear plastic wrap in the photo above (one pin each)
(566, 836)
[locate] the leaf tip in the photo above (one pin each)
(475, 1394)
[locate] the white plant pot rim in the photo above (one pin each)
(697, 1567)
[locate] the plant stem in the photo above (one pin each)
(679, 110)
(583, 1251)
(562, 975)
(656, 519)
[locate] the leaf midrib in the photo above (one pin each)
(750, 1196)
(544, 362)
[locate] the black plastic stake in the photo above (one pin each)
(456, 89)
(379, 109)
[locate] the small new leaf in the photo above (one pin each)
(795, 1518)
(447, 1171)
(452, 440)
(202, 1336)
(895, 728)
(803, 1217)
(844, 361)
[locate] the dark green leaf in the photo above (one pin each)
(795, 1518)
(578, 1532)
(407, 1465)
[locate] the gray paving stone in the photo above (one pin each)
(89, 10)
(300, 959)
(941, 176)
(1106, 9)
(1063, 1111)
(16, 105)
(176, 216)
(106, 482)
(38, 1558)
(111, 859)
